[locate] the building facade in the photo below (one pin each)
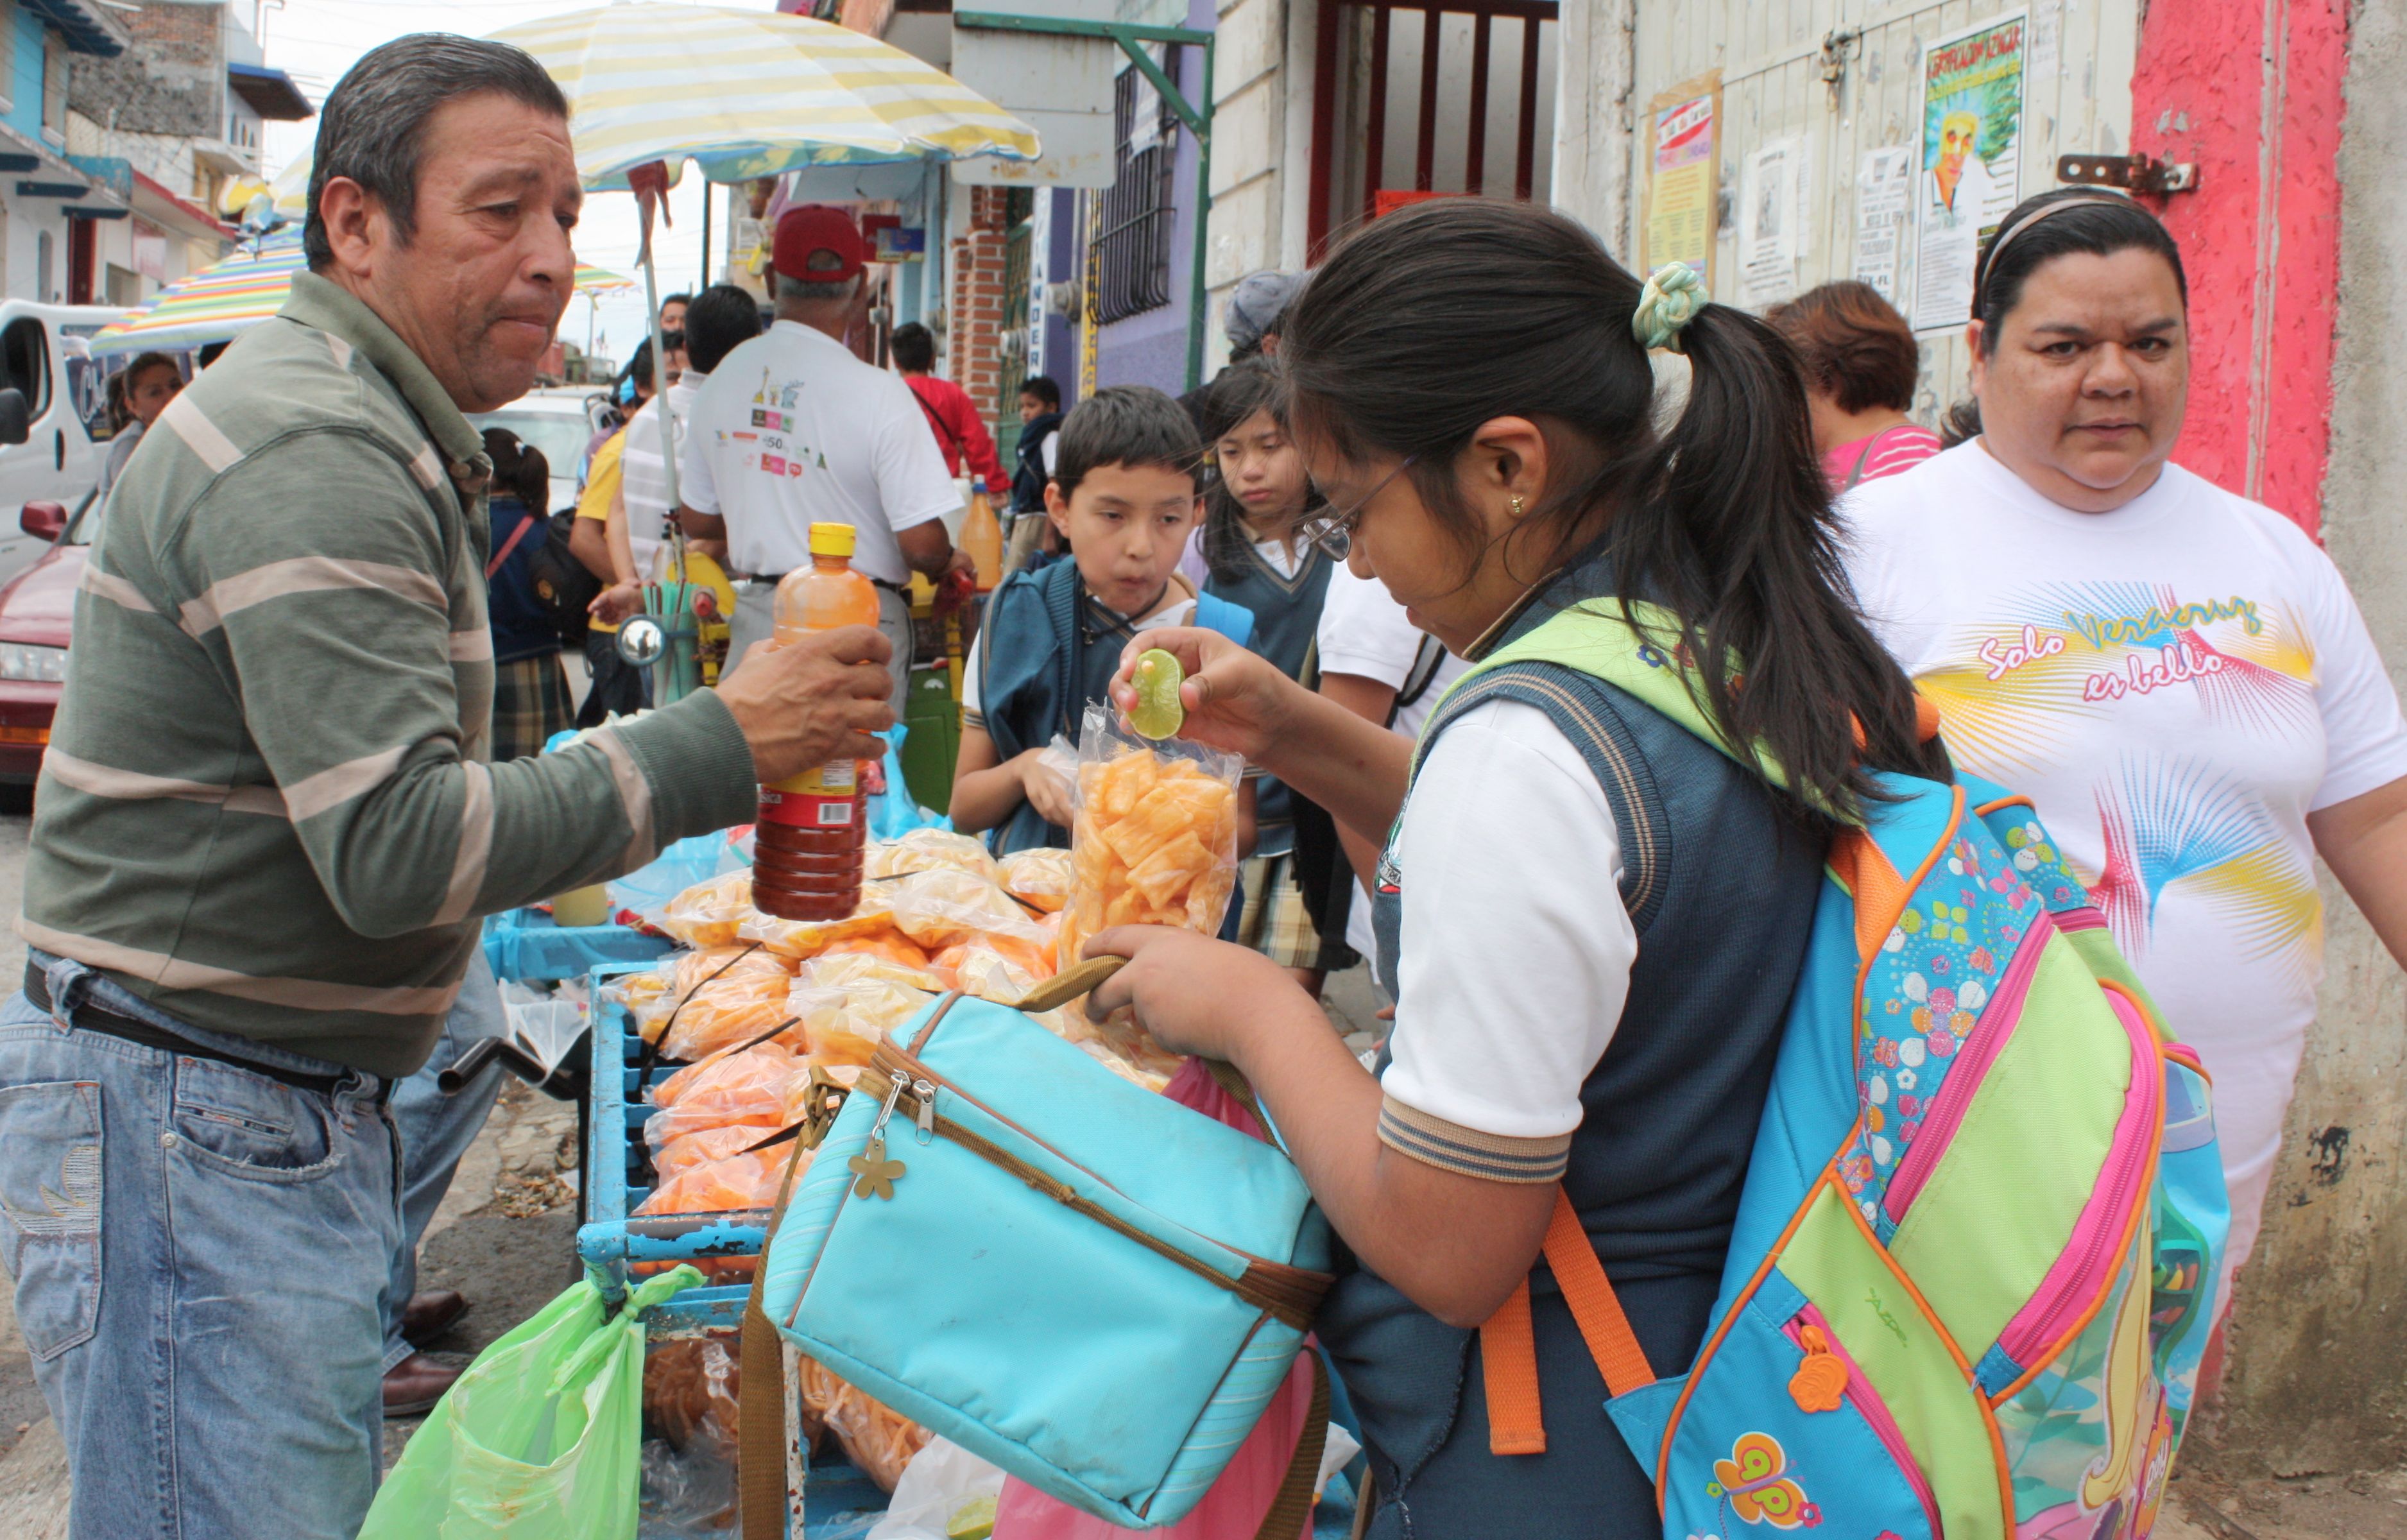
(49, 205)
(171, 123)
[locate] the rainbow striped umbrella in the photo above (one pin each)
(747, 94)
(224, 300)
(214, 304)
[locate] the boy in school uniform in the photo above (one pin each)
(1124, 498)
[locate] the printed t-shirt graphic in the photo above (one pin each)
(2176, 684)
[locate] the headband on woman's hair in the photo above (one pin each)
(1989, 258)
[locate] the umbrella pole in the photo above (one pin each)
(672, 677)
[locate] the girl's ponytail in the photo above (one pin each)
(1739, 541)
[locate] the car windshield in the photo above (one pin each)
(560, 436)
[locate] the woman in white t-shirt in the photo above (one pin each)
(1489, 453)
(2177, 676)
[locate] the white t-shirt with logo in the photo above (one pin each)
(792, 430)
(1364, 632)
(2176, 685)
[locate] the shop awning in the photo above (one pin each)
(270, 91)
(89, 27)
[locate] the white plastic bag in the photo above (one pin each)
(942, 1480)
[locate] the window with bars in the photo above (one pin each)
(1132, 251)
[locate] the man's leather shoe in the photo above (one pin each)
(413, 1386)
(431, 1313)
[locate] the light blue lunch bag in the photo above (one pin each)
(1089, 1285)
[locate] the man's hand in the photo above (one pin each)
(811, 702)
(616, 603)
(962, 564)
(1044, 788)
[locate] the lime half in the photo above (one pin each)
(972, 1520)
(1158, 713)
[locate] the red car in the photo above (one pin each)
(35, 609)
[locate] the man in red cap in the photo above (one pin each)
(792, 429)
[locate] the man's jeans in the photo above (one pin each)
(201, 1255)
(436, 1130)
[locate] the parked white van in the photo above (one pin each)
(49, 408)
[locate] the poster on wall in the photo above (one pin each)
(1775, 200)
(1969, 110)
(1683, 175)
(1883, 192)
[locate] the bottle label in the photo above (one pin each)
(819, 799)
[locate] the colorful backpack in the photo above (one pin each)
(1975, 1259)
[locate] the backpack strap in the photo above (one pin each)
(493, 564)
(1508, 1350)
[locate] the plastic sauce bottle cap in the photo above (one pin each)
(831, 539)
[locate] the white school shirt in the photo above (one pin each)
(791, 429)
(1364, 632)
(1517, 947)
(643, 471)
(2175, 685)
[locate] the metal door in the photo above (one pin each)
(1420, 99)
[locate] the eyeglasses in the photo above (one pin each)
(1334, 533)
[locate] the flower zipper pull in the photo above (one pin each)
(1820, 1382)
(877, 1174)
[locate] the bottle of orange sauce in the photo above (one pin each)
(807, 842)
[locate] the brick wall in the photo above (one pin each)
(172, 80)
(973, 339)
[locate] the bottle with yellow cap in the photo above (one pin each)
(807, 842)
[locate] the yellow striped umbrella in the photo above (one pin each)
(749, 93)
(228, 297)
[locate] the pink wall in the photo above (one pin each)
(2249, 90)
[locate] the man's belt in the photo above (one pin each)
(94, 1017)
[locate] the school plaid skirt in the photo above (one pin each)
(1277, 924)
(531, 703)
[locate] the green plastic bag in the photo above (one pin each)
(540, 1438)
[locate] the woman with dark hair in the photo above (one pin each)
(2176, 676)
(1490, 454)
(1860, 364)
(1251, 556)
(531, 698)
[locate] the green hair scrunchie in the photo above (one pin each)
(1674, 294)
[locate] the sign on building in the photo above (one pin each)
(1060, 86)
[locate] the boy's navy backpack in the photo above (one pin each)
(1975, 1260)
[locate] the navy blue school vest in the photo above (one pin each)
(1045, 650)
(1721, 889)
(1287, 617)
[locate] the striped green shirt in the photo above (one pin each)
(266, 806)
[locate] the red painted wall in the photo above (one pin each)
(2249, 90)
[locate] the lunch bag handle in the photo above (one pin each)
(762, 1435)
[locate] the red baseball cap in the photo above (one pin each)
(809, 231)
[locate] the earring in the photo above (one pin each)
(1516, 507)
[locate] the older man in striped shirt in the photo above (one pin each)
(266, 826)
